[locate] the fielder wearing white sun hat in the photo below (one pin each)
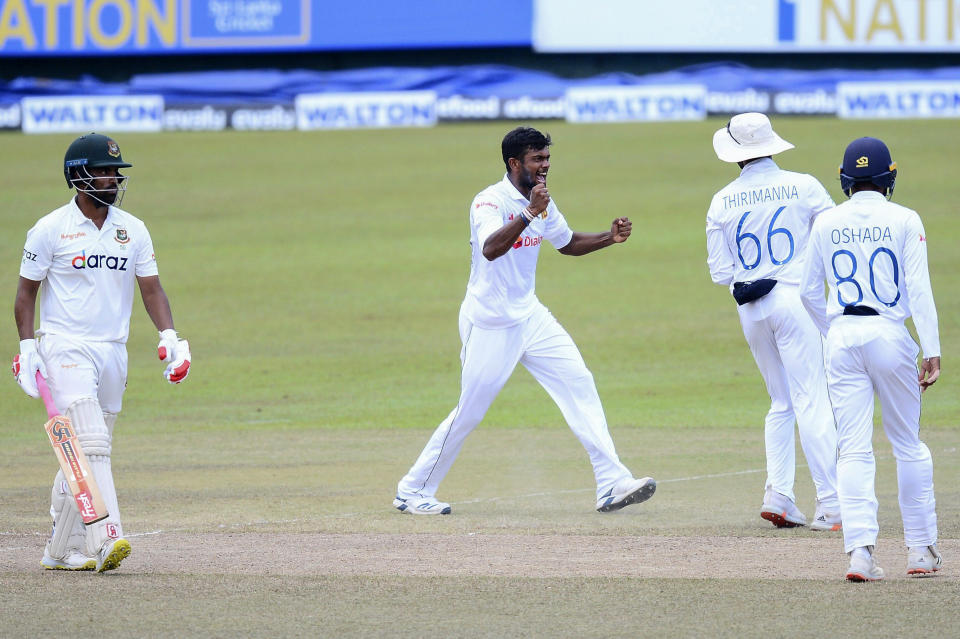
(748, 136)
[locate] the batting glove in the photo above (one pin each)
(179, 366)
(26, 365)
(167, 346)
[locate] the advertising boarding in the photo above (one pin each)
(82, 114)
(777, 26)
(896, 100)
(366, 110)
(634, 104)
(99, 27)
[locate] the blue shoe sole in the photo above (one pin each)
(640, 495)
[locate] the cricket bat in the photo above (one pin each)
(72, 460)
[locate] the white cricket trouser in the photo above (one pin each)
(867, 354)
(788, 349)
(489, 357)
(79, 370)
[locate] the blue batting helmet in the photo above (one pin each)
(868, 160)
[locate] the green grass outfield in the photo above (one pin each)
(318, 278)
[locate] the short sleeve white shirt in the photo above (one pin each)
(759, 224)
(500, 293)
(87, 274)
(872, 253)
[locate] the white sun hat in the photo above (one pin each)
(748, 136)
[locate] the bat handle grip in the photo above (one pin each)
(47, 397)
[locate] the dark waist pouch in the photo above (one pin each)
(859, 310)
(745, 292)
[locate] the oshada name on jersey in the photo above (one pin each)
(759, 196)
(848, 235)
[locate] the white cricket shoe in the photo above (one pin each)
(825, 520)
(625, 492)
(780, 510)
(421, 505)
(923, 560)
(73, 561)
(112, 553)
(863, 567)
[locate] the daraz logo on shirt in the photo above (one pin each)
(109, 262)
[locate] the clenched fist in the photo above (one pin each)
(620, 229)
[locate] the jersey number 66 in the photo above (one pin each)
(771, 231)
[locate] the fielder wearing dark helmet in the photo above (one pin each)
(873, 255)
(89, 256)
(868, 160)
(95, 151)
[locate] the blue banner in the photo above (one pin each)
(269, 99)
(98, 27)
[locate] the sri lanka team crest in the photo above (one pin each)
(122, 236)
(113, 149)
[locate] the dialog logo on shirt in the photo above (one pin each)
(109, 262)
(526, 240)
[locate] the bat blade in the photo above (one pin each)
(72, 461)
(76, 469)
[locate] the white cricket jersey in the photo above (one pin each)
(872, 253)
(759, 224)
(87, 273)
(500, 293)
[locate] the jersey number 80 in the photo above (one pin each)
(771, 231)
(848, 278)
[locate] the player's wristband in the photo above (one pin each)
(528, 216)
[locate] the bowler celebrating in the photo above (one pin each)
(84, 258)
(757, 229)
(502, 323)
(873, 254)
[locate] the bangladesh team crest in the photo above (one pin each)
(122, 236)
(113, 149)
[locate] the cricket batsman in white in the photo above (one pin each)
(757, 231)
(83, 259)
(873, 254)
(502, 323)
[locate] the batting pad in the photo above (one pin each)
(94, 436)
(89, 424)
(110, 492)
(110, 419)
(68, 529)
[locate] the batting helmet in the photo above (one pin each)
(91, 150)
(868, 160)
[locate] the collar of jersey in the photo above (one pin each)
(79, 218)
(759, 166)
(868, 195)
(514, 193)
